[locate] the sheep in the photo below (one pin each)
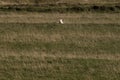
(61, 21)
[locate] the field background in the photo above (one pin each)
(4, 2)
(34, 46)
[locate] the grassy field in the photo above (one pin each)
(78, 39)
(35, 46)
(61, 6)
(68, 18)
(86, 47)
(5, 2)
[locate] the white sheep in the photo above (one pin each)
(61, 21)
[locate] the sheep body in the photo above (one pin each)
(61, 21)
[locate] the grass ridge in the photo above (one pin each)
(63, 7)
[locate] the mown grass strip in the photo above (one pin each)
(59, 68)
(53, 38)
(63, 7)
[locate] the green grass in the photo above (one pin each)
(28, 68)
(81, 38)
(59, 52)
(34, 46)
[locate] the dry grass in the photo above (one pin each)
(68, 18)
(54, 51)
(6, 2)
(33, 46)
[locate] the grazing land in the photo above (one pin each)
(18, 2)
(34, 46)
